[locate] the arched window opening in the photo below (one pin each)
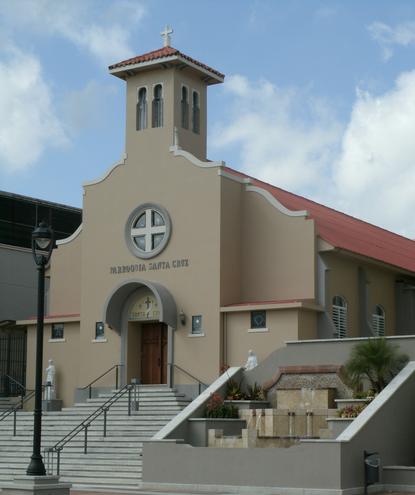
(185, 107)
(378, 321)
(158, 106)
(195, 112)
(142, 109)
(339, 316)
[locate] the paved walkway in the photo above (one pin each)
(158, 492)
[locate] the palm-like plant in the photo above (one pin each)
(375, 360)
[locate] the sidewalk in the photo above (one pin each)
(158, 492)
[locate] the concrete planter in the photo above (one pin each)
(249, 404)
(338, 425)
(199, 428)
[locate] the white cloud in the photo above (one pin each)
(278, 132)
(402, 34)
(86, 107)
(366, 168)
(28, 124)
(375, 173)
(101, 29)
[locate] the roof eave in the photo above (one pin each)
(125, 70)
(374, 261)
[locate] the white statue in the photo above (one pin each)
(252, 360)
(50, 392)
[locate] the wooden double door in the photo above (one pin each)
(154, 353)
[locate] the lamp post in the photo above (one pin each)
(42, 245)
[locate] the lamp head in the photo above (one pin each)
(182, 317)
(43, 241)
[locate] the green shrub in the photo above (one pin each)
(375, 360)
(255, 392)
(233, 391)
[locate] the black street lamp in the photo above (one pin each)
(42, 244)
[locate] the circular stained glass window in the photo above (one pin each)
(148, 230)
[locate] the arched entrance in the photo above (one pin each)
(145, 315)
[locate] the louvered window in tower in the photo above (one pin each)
(185, 107)
(157, 110)
(339, 316)
(195, 112)
(142, 109)
(378, 321)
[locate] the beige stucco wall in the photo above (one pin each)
(65, 278)
(343, 279)
(65, 356)
(381, 290)
(162, 138)
(307, 324)
(230, 241)
(278, 252)
(282, 325)
(265, 253)
(133, 350)
(191, 196)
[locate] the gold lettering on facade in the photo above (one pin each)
(151, 266)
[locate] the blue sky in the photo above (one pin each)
(319, 96)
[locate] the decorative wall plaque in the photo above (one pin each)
(145, 308)
(147, 231)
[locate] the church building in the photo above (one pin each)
(182, 265)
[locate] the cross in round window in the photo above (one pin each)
(148, 230)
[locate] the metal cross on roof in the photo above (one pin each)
(166, 35)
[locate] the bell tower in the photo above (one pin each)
(166, 100)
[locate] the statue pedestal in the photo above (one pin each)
(27, 485)
(52, 405)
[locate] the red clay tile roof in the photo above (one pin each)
(166, 51)
(346, 232)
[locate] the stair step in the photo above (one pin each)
(112, 463)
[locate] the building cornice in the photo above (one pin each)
(70, 238)
(68, 318)
(235, 178)
(121, 161)
(15, 248)
(304, 305)
(177, 151)
(275, 203)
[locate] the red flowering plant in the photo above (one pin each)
(351, 411)
(216, 408)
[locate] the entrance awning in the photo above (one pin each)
(114, 304)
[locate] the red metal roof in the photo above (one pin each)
(164, 52)
(277, 301)
(62, 315)
(346, 232)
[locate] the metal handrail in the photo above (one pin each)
(89, 386)
(86, 423)
(200, 383)
(13, 409)
(17, 383)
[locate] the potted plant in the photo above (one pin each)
(218, 415)
(253, 398)
(217, 408)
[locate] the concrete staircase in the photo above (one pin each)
(113, 462)
(7, 402)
